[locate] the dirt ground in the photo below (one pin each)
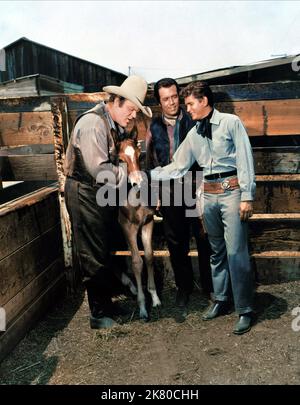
(62, 349)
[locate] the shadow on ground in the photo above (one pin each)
(27, 364)
(269, 306)
(197, 304)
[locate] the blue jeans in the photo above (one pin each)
(228, 237)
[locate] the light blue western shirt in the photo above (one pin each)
(229, 149)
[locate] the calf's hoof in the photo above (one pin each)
(144, 315)
(103, 322)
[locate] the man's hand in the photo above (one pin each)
(246, 210)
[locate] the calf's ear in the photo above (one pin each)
(133, 134)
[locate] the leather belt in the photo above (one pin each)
(86, 182)
(221, 187)
(216, 176)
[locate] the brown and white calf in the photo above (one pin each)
(135, 220)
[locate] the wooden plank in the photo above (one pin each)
(29, 199)
(265, 117)
(19, 328)
(269, 267)
(277, 196)
(31, 291)
(156, 253)
(31, 167)
(26, 150)
(282, 117)
(276, 253)
(277, 160)
(13, 190)
(248, 91)
(49, 85)
(274, 234)
(274, 267)
(79, 103)
(277, 217)
(72, 115)
(194, 253)
(26, 128)
(19, 88)
(267, 232)
(24, 104)
(84, 101)
(257, 91)
(18, 227)
(278, 177)
(23, 265)
(275, 141)
(59, 106)
(270, 117)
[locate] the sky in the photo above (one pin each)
(156, 39)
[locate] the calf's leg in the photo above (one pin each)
(130, 232)
(147, 231)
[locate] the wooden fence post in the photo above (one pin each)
(60, 134)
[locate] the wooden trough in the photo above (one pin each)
(31, 261)
(35, 243)
(32, 269)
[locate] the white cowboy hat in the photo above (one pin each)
(134, 88)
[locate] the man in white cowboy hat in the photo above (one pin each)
(91, 151)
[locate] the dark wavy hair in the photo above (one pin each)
(198, 90)
(112, 98)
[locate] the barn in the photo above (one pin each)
(30, 65)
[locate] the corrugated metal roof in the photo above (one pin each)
(238, 69)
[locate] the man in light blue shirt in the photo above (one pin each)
(220, 144)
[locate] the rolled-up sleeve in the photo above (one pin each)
(244, 161)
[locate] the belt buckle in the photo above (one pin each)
(225, 185)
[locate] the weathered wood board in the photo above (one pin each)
(31, 167)
(260, 117)
(31, 261)
(276, 266)
(30, 315)
(275, 234)
(24, 264)
(26, 128)
(277, 195)
(39, 284)
(277, 160)
(23, 224)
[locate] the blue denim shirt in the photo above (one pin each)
(228, 149)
